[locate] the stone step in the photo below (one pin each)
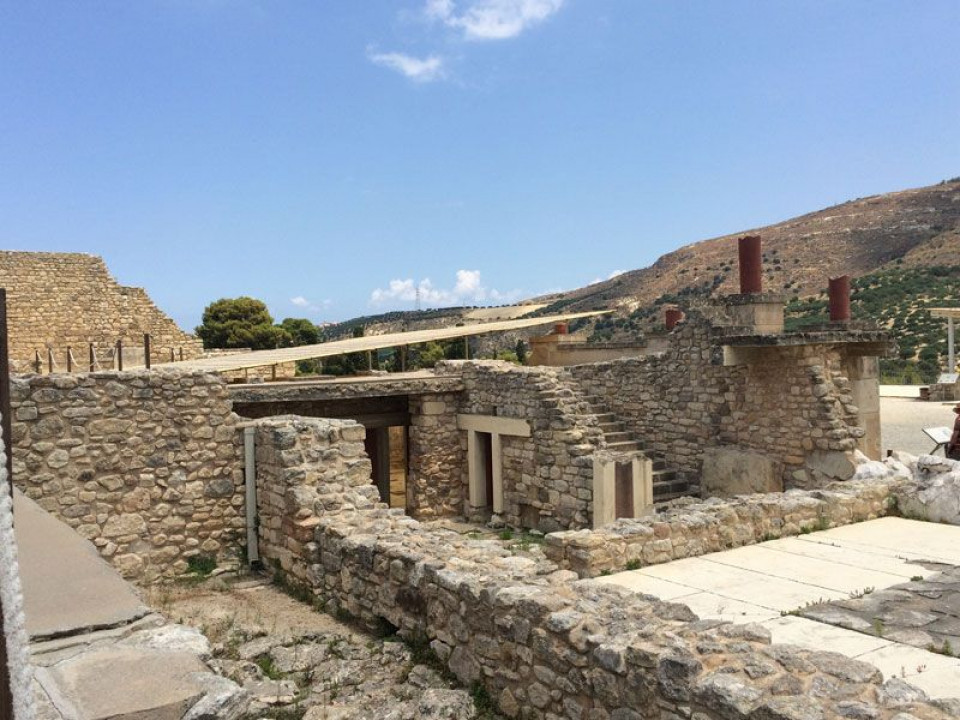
(618, 436)
(605, 417)
(667, 490)
(623, 445)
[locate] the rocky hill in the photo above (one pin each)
(902, 248)
(921, 227)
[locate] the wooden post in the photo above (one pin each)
(37, 362)
(146, 350)
(50, 360)
(119, 354)
(69, 359)
(403, 358)
(181, 354)
(466, 347)
(93, 358)
(369, 360)
(6, 692)
(173, 357)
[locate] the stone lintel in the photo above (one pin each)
(494, 424)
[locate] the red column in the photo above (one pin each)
(672, 317)
(751, 264)
(560, 329)
(840, 299)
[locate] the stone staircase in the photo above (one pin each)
(666, 484)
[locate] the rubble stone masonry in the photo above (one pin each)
(547, 477)
(541, 643)
(146, 464)
(56, 300)
(792, 404)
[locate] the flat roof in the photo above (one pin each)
(261, 358)
(946, 312)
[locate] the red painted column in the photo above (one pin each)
(751, 264)
(840, 299)
(672, 317)
(560, 329)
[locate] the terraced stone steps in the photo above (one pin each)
(666, 484)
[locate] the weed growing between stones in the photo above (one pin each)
(945, 649)
(486, 707)
(265, 663)
(633, 564)
(201, 565)
(878, 627)
(857, 594)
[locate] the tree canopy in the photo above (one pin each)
(301, 331)
(242, 322)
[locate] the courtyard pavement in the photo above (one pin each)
(766, 583)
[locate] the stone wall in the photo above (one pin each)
(690, 529)
(56, 300)
(145, 464)
(790, 403)
(544, 645)
(306, 467)
(435, 484)
(547, 477)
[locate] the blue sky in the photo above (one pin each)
(328, 157)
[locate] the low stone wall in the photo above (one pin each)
(146, 464)
(544, 645)
(689, 529)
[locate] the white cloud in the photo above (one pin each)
(611, 276)
(468, 289)
(492, 19)
(419, 70)
(310, 307)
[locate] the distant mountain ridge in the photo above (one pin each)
(919, 227)
(873, 239)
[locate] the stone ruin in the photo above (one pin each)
(57, 301)
(778, 429)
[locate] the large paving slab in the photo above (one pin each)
(825, 576)
(67, 587)
(125, 683)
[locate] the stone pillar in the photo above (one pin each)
(672, 317)
(840, 299)
(951, 352)
(751, 265)
(434, 485)
(864, 376)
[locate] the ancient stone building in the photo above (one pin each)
(61, 300)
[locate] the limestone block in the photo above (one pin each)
(732, 470)
(833, 464)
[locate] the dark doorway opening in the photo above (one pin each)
(485, 449)
(387, 449)
(623, 484)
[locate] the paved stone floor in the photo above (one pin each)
(776, 583)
